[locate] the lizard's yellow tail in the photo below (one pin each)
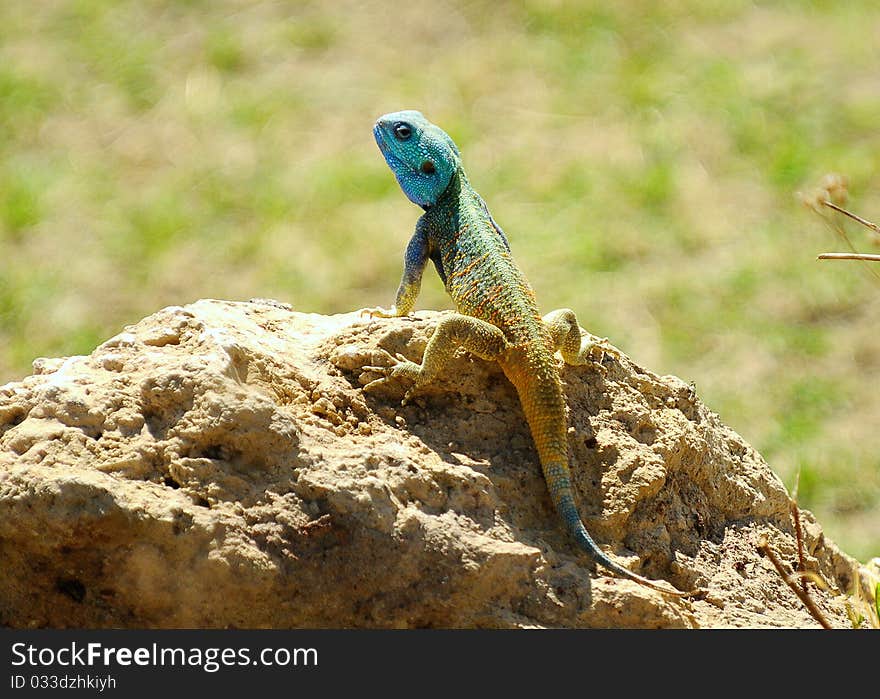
(540, 391)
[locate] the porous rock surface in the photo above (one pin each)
(220, 465)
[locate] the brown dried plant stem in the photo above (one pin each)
(849, 256)
(796, 516)
(873, 226)
(764, 547)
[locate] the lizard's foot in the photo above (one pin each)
(597, 348)
(379, 312)
(576, 345)
(399, 366)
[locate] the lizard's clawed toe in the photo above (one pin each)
(375, 383)
(383, 370)
(378, 312)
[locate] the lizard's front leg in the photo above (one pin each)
(414, 262)
(575, 348)
(476, 336)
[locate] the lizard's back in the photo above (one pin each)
(484, 281)
(478, 270)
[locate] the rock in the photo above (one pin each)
(220, 465)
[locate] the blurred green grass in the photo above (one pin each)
(642, 157)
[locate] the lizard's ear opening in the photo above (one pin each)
(428, 167)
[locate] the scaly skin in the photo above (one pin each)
(497, 317)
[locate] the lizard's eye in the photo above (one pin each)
(402, 131)
(428, 167)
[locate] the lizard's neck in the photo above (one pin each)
(446, 215)
(457, 194)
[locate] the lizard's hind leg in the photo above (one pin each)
(453, 331)
(576, 348)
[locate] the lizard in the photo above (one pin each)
(497, 316)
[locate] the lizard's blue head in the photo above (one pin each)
(422, 156)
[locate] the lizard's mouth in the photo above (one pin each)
(380, 138)
(393, 161)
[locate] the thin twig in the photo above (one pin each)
(798, 533)
(764, 547)
(873, 226)
(839, 231)
(849, 256)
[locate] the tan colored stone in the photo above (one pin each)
(219, 465)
